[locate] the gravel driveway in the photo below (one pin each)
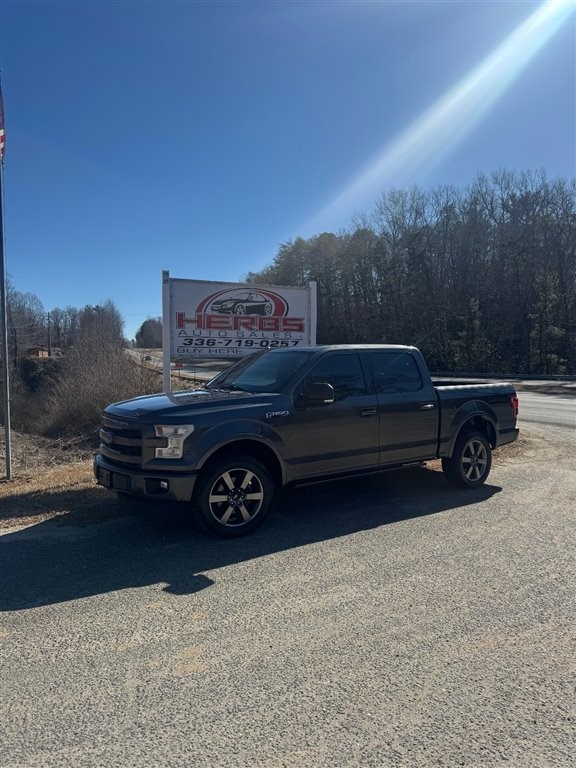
(388, 622)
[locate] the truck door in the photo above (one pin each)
(336, 437)
(407, 407)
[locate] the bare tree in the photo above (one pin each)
(26, 323)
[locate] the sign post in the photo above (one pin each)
(166, 355)
(313, 310)
(4, 311)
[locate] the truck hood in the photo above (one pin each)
(174, 405)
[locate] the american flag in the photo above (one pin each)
(2, 134)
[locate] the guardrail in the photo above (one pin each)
(515, 376)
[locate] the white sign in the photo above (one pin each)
(213, 319)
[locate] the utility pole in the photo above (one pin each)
(4, 314)
(48, 318)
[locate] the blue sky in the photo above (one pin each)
(198, 136)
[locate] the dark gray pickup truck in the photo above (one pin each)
(297, 415)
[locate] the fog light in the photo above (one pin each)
(164, 485)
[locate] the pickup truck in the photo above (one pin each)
(296, 415)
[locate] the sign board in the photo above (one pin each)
(228, 320)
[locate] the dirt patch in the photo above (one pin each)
(52, 478)
(519, 448)
(46, 494)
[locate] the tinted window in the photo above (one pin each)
(263, 372)
(396, 372)
(343, 371)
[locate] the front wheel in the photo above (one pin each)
(470, 463)
(233, 496)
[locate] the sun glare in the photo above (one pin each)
(438, 130)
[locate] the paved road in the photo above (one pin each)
(392, 622)
(547, 409)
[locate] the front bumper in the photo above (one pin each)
(152, 485)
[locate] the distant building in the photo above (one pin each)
(37, 352)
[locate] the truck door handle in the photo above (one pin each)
(427, 407)
(369, 412)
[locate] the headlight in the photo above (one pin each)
(175, 436)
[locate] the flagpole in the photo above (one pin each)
(4, 329)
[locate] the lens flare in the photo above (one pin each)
(438, 130)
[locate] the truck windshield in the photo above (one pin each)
(263, 372)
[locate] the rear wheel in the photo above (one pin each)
(233, 496)
(470, 463)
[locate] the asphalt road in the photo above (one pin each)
(392, 621)
(548, 409)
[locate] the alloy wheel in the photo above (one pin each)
(474, 459)
(236, 497)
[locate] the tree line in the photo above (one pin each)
(89, 368)
(30, 327)
(482, 279)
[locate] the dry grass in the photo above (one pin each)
(28, 500)
(32, 453)
(50, 478)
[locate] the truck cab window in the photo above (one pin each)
(262, 372)
(342, 371)
(395, 373)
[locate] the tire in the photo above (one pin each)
(233, 496)
(240, 309)
(470, 463)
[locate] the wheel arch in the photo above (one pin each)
(255, 449)
(477, 421)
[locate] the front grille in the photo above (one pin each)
(121, 441)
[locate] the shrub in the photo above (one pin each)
(91, 382)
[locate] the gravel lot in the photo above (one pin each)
(388, 622)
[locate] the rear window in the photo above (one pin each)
(395, 372)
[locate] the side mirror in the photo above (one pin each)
(319, 393)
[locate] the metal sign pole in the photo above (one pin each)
(4, 329)
(313, 286)
(166, 331)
